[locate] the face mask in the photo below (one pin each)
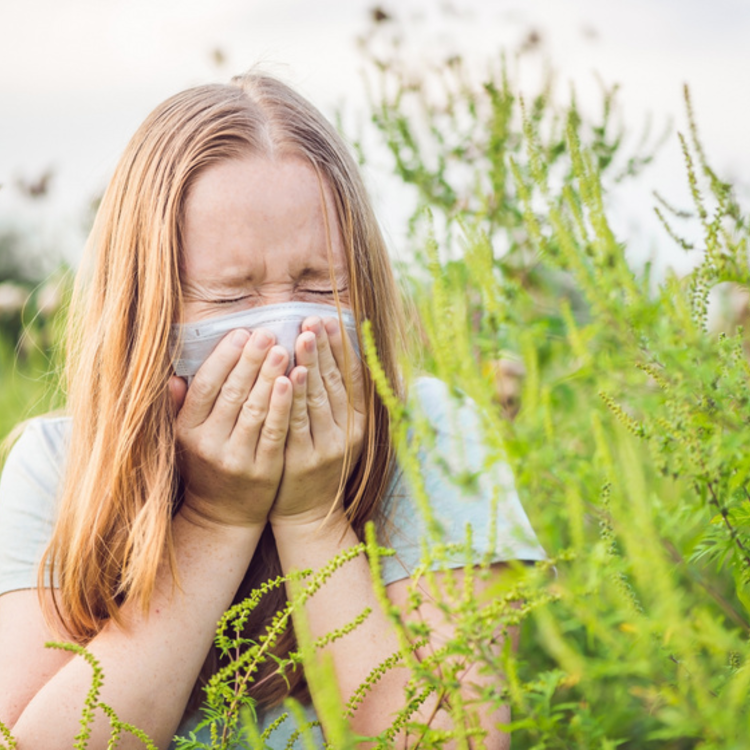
(191, 343)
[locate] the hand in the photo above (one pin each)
(231, 428)
(321, 424)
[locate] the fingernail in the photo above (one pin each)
(277, 354)
(301, 376)
(281, 385)
(314, 324)
(332, 326)
(240, 337)
(261, 339)
(309, 344)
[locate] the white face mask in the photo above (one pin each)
(191, 343)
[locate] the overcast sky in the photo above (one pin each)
(78, 76)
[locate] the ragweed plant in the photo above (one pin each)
(229, 713)
(627, 450)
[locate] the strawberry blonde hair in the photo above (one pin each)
(121, 485)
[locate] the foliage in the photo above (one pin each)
(229, 713)
(627, 450)
(30, 354)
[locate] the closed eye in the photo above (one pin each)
(229, 301)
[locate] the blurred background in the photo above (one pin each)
(77, 77)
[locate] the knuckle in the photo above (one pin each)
(252, 355)
(203, 448)
(253, 474)
(299, 420)
(228, 465)
(253, 411)
(274, 433)
(232, 393)
(201, 388)
(267, 375)
(318, 399)
(337, 392)
(332, 376)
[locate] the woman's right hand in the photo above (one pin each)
(231, 429)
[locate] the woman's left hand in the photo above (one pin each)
(321, 424)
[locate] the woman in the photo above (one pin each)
(156, 505)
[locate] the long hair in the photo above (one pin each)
(121, 485)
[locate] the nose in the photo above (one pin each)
(276, 294)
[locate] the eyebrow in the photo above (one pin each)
(308, 273)
(322, 274)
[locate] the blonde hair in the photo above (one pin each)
(121, 485)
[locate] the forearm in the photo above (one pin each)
(339, 601)
(151, 664)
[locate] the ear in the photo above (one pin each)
(177, 392)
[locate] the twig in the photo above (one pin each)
(732, 531)
(728, 609)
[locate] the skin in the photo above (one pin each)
(255, 446)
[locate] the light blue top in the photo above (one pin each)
(460, 482)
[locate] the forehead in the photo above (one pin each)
(261, 219)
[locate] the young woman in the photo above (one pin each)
(134, 521)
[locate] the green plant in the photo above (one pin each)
(627, 450)
(31, 354)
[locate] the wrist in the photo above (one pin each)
(314, 524)
(313, 545)
(204, 515)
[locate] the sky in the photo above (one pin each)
(78, 76)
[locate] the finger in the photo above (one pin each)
(240, 381)
(207, 382)
(177, 388)
(329, 371)
(299, 422)
(270, 449)
(318, 405)
(254, 410)
(339, 343)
